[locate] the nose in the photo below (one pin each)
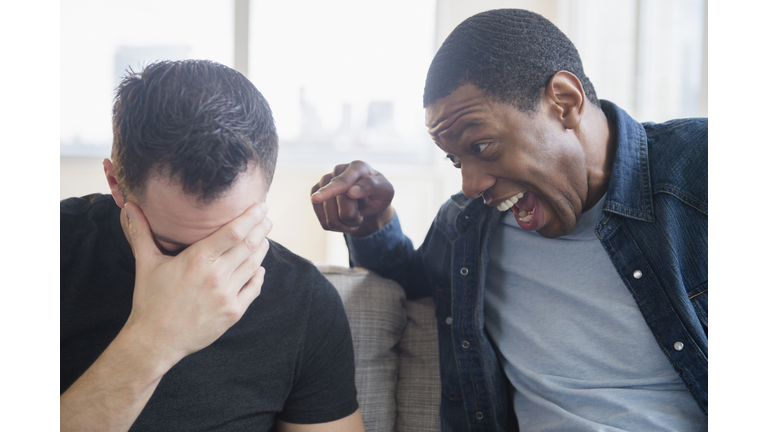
(474, 181)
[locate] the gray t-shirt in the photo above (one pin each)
(572, 339)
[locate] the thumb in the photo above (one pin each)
(142, 243)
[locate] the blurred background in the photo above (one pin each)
(345, 79)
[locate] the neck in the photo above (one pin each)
(600, 142)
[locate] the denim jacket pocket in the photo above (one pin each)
(699, 299)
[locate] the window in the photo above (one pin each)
(100, 39)
(344, 77)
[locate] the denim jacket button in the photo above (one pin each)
(465, 344)
(637, 274)
(479, 415)
(464, 271)
(679, 346)
(449, 320)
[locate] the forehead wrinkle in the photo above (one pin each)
(459, 128)
(451, 126)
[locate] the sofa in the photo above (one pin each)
(397, 369)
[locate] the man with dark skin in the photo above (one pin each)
(570, 275)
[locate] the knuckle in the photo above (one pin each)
(338, 169)
(199, 260)
(348, 215)
(235, 234)
(232, 313)
(216, 278)
(341, 178)
(251, 243)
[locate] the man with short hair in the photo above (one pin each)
(570, 276)
(177, 313)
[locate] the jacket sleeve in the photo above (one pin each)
(390, 253)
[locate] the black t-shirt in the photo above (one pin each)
(289, 357)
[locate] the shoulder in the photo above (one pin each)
(678, 155)
(80, 216)
(297, 277)
(681, 137)
(280, 259)
(85, 207)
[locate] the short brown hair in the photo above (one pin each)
(197, 121)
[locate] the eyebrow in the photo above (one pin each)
(462, 130)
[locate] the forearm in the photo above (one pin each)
(389, 253)
(111, 394)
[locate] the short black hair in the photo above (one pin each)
(511, 54)
(197, 121)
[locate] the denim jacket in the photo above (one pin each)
(653, 227)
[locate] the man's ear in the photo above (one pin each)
(568, 99)
(109, 171)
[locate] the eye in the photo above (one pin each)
(453, 160)
(479, 147)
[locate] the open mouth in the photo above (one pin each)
(521, 204)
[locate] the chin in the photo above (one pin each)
(554, 232)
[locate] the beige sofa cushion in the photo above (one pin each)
(376, 311)
(418, 387)
(397, 370)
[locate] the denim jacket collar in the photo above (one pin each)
(473, 211)
(629, 189)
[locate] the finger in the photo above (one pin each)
(349, 212)
(252, 289)
(248, 268)
(376, 187)
(231, 234)
(324, 180)
(345, 176)
(331, 212)
(142, 241)
(332, 219)
(321, 217)
(337, 186)
(251, 244)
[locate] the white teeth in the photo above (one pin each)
(527, 218)
(523, 213)
(506, 205)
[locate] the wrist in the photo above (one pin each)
(373, 223)
(147, 359)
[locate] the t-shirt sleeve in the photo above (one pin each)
(324, 388)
